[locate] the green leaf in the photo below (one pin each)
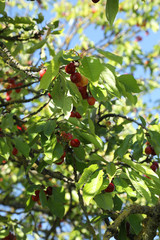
(2, 6)
(91, 126)
(56, 202)
(92, 187)
(104, 201)
(91, 68)
(139, 184)
(49, 127)
(109, 82)
(136, 222)
(4, 233)
(40, 18)
(142, 120)
(124, 146)
(29, 204)
(92, 139)
(111, 10)
(22, 146)
(80, 152)
(58, 151)
(110, 56)
(87, 173)
(7, 121)
(36, 46)
(111, 169)
(24, 20)
(154, 140)
(129, 83)
(52, 71)
(43, 198)
(99, 92)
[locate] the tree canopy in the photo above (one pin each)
(79, 148)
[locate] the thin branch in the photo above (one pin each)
(121, 116)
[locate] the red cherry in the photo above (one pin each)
(49, 95)
(153, 167)
(19, 89)
(42, 72)
(75, 142)
(66, 136)
(72, 114)
(14, 151)
(156, 164)
(110, 188)
(148, 150)
(37, 192)
(91, 100)
(75, 77)
(70, 68)
(49, 190)
(77, 115)
(138, 38)
(19, 128)
(83, 91)
(8, 98)
(35, 198)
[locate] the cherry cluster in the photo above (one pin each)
(75, 114)
(11, 83)
(66, 138)
(80, 81)
(11, 236)
(48, 192)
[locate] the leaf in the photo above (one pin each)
(29, 204)
(104, 201)
(139, 184)
(91, 126)
(56, 202)
(52, 71)
(124, 146)
(87, 173)
(142, 120)
(129, 83)
(40, 18)
(43, 198)
(155, 139)
(92, 187)
(111, 10)
(57, 152)
(92, 139)
(4, 233)
(22, 146)
(109, 82)
(111, 169)
(91, 68)
(99, 92)
(49, 127)
(135, 220)
(2, 6)
(110, 56)
(36, 46)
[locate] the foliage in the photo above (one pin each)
(56, 168)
